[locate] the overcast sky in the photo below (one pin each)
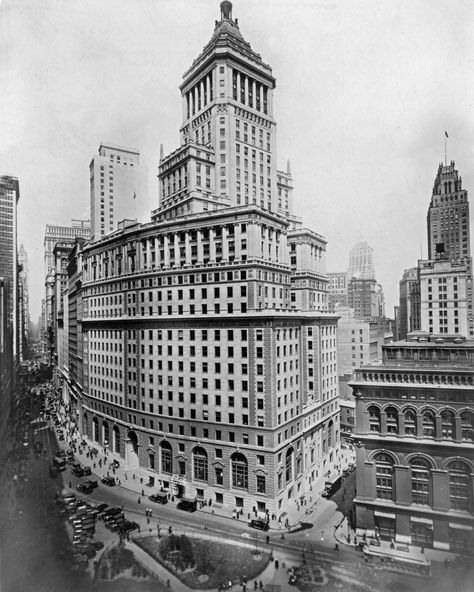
(365, 91)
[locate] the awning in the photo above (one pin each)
(420, 520)
(460, 526)
(403, 538)
(384, 515)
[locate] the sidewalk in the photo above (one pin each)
(301, 510)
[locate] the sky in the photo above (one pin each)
(365, 91)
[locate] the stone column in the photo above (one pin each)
(383, 423)
(440, 490)
(166, 261)
(157, 252)
(457, 429)
(212, 245)
(402, 492)
(438, 429)
(237, 239)
(200, 250)
(187, 246)
(419, 425)
(176, 250)
(148, 253)
(225, 244)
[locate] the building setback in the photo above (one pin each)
(415, 443)
(209, 357)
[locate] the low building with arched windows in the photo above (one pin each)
(414, 436)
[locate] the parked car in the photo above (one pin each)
(259, 524)
(109, 481)
(161, 497)
(128, 526)
(91, 483)
(83, 488)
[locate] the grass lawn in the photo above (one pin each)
(224, 562)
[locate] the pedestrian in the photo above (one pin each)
(255, 585)
(282, 536)
(336, 547)
(267, 538)
(260, 585)
(139, 501)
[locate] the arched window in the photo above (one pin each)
(428, 424)
(374, 418)
(116, 439)
(166, 458)
(447, 423)
(200, 464)
(84, 425)
(95, 429)
(392, 420)
(384, 476)
(410, 422)
(105, 433)
(240, 477)
(289, 465)
(420, 481)
(459, 485)
(467, 425)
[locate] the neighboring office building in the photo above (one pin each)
(409, 308)
(415, 443)
(337, 295)
(366, 297)
(9, 196)
(202, 371)
(358, 342)
(361, 262)
(66, 235)
(445, 296)
(118, 189)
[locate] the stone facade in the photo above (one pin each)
(415, 444)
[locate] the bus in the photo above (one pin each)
(331, 486)
(59, 463)
(392, 560)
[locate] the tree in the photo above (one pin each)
(204, 557)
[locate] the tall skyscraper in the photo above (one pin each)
(209, 358)
(361, 262)
(119, 188)
(448, 216)
(9, 196)
(445, 280)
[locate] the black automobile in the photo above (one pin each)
(83, 488)
(109, 481)
(259, 524)
(159, 498)
(128, 526)
(91, 483)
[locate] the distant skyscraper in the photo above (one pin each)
(24, 301)
(361, 262)
(9, 196)
(448, 216)
(119, 188)
(366, 297)
(66, 236)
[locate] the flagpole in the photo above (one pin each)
(445, 149)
